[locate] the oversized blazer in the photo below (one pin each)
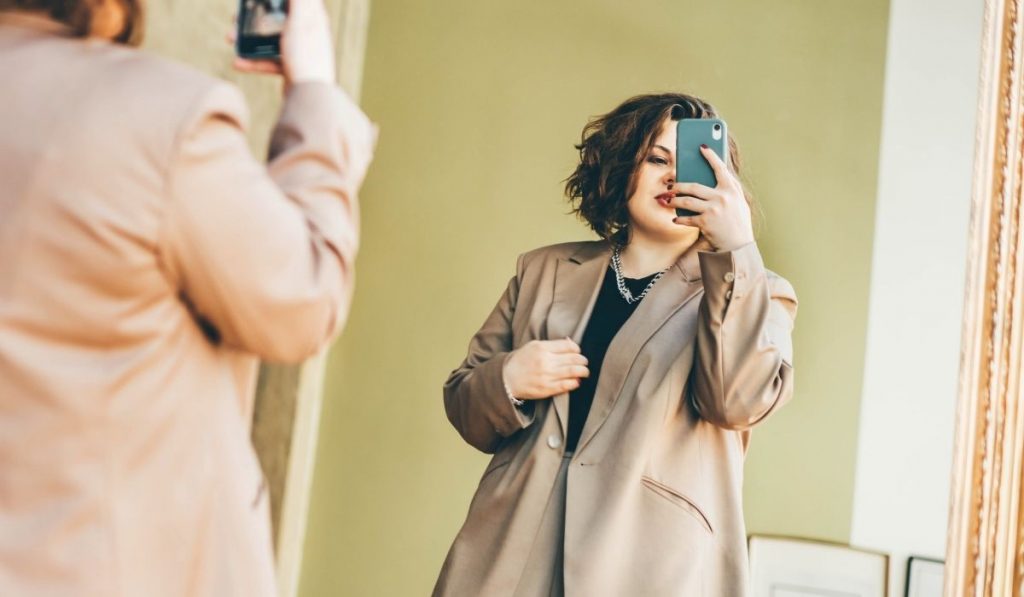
(147, 262)
(653, 504)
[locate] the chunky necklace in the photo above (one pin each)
(623, 289)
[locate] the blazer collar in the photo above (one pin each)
(677, 288)
(578, 280)
(589, 251)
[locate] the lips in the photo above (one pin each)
(665, 199)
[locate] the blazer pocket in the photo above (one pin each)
(679, 500)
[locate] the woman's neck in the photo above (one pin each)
(643, 257)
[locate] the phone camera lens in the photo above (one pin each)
(718, 127)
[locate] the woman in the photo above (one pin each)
(617, 381)
(147, 262)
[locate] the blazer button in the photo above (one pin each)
(554, 442)
(729, 276)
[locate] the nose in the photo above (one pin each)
(670, 179)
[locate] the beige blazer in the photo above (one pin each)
(146, 262)
(654, 489)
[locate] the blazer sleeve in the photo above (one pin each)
(474, 394)
(264, 254)
(743, 362)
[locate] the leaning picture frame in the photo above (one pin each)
(797, 567)
(924, 577)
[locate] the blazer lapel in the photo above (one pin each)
(577, 282)
(680, 284)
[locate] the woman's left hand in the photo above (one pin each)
(722, 213)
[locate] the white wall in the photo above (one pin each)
(907, 411)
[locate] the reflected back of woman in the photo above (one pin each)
(148, 263)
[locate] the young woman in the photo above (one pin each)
(616, 382)
(147, 261)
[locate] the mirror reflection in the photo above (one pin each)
(650, 299)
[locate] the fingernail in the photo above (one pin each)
(703, 146)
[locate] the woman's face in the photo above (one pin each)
(650, 214)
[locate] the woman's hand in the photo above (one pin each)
(307, 48)
(722, 213)
(544, 368)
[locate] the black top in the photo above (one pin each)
(610, 312)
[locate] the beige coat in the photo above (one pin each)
(654, 489)
(146, 262)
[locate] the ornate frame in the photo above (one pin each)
(985, 554)
(286, 417)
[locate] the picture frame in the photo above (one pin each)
(783, 566)
(924, 577)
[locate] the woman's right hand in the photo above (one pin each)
(307, 48)
(544, 368)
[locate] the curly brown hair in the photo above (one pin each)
(80, 15)
(613, 147)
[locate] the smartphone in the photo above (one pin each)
(691, 165)
(260, 23)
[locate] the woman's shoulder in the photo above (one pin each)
(119, 77)
(140, 72)
(179, 88)
(159, 101)
(146, 96)
(577, 250)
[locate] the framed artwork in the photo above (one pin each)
(795, 567)
(924, 577)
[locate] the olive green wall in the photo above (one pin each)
(479, 104)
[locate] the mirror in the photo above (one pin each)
(856, 124)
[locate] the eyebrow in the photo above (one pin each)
(663, 148)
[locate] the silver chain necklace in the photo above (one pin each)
(623, 289)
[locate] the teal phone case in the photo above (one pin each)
(691, 166)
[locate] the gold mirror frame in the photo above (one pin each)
(286, 417)
(984, 550)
